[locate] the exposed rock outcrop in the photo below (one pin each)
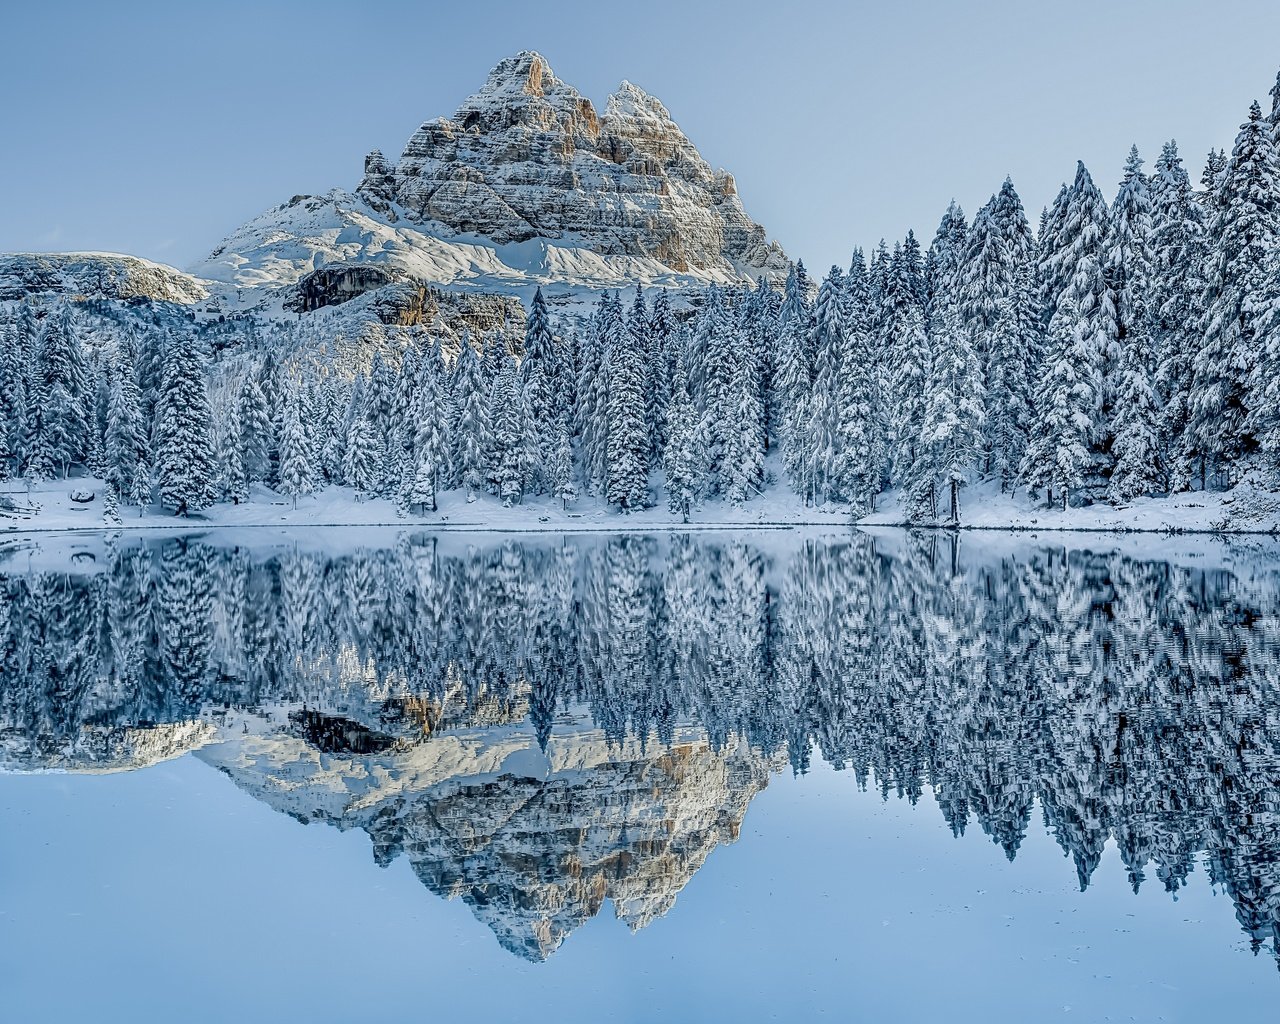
(528, 157)
(95, 275)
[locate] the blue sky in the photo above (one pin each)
(156, 128)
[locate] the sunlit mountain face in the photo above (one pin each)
(540, 728)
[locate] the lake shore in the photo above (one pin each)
(48, 507)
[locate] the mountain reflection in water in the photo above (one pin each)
(540, 727)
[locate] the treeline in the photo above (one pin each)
(1118, 350)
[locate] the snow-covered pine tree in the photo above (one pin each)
(184, 428)
(1229, 409)
(1175, 307)
(997, 310)
(1081, 261)
(233, 484)
(1139, 468)
(910, 359)
(508, 467)
(19, 385)
(140, 492)
(268, 381)
(758, 331)
(297, 461)
(360, 467)
(680, 461)
(952, 431)
(595, 345)
(62, 389)
(639, 330)
(792, 385)
(111, 505)
(860, 448)
(1058, 457)
(627, 444)
(542, 377)
(431, 442)
(830, 348)
(256, 433)
(1128, 275)
(563, 485)
(662, 335)
(471, 430)
(1051, 277)
(745, 456)
(126, 444)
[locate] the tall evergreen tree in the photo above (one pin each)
(1228, 393)
(126, 444)
(508, 467)
(62, 394)
(184, 428)
(1058, 456)
(627, 444)
(297, 455)
(471, 429)
(1175, 306)
(680, 459)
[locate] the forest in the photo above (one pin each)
(1115, 350)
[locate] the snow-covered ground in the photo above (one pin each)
(48, 506)
(1247, 508)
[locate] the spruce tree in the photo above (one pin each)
(256, 434)
(562, 476)
(662, 335)
(627, 444)
(126, 444)
(62, 390)
(471, 429)
(297, 463)
(747, 444)
(1058, 457)
(1228, 391)
(508, 468)
(431, 441)
(360, 459)
(679, 459)
(542, 378)
(184, 428)
(860, 449)
(1175, 306)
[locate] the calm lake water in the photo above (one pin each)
(739, 777)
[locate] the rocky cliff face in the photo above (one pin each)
(525, 185)
(529, 157)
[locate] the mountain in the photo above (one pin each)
(525, 185)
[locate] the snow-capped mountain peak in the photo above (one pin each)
(525, 185)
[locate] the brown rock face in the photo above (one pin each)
(529, 157)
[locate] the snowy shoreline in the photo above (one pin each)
(1246, 511)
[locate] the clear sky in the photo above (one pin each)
(156, 128)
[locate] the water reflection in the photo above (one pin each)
(542, 727)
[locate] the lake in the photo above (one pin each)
(707, 776)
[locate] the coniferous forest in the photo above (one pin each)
(1115, 348)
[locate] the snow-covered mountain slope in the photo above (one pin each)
(525, 186)
(95, 274)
